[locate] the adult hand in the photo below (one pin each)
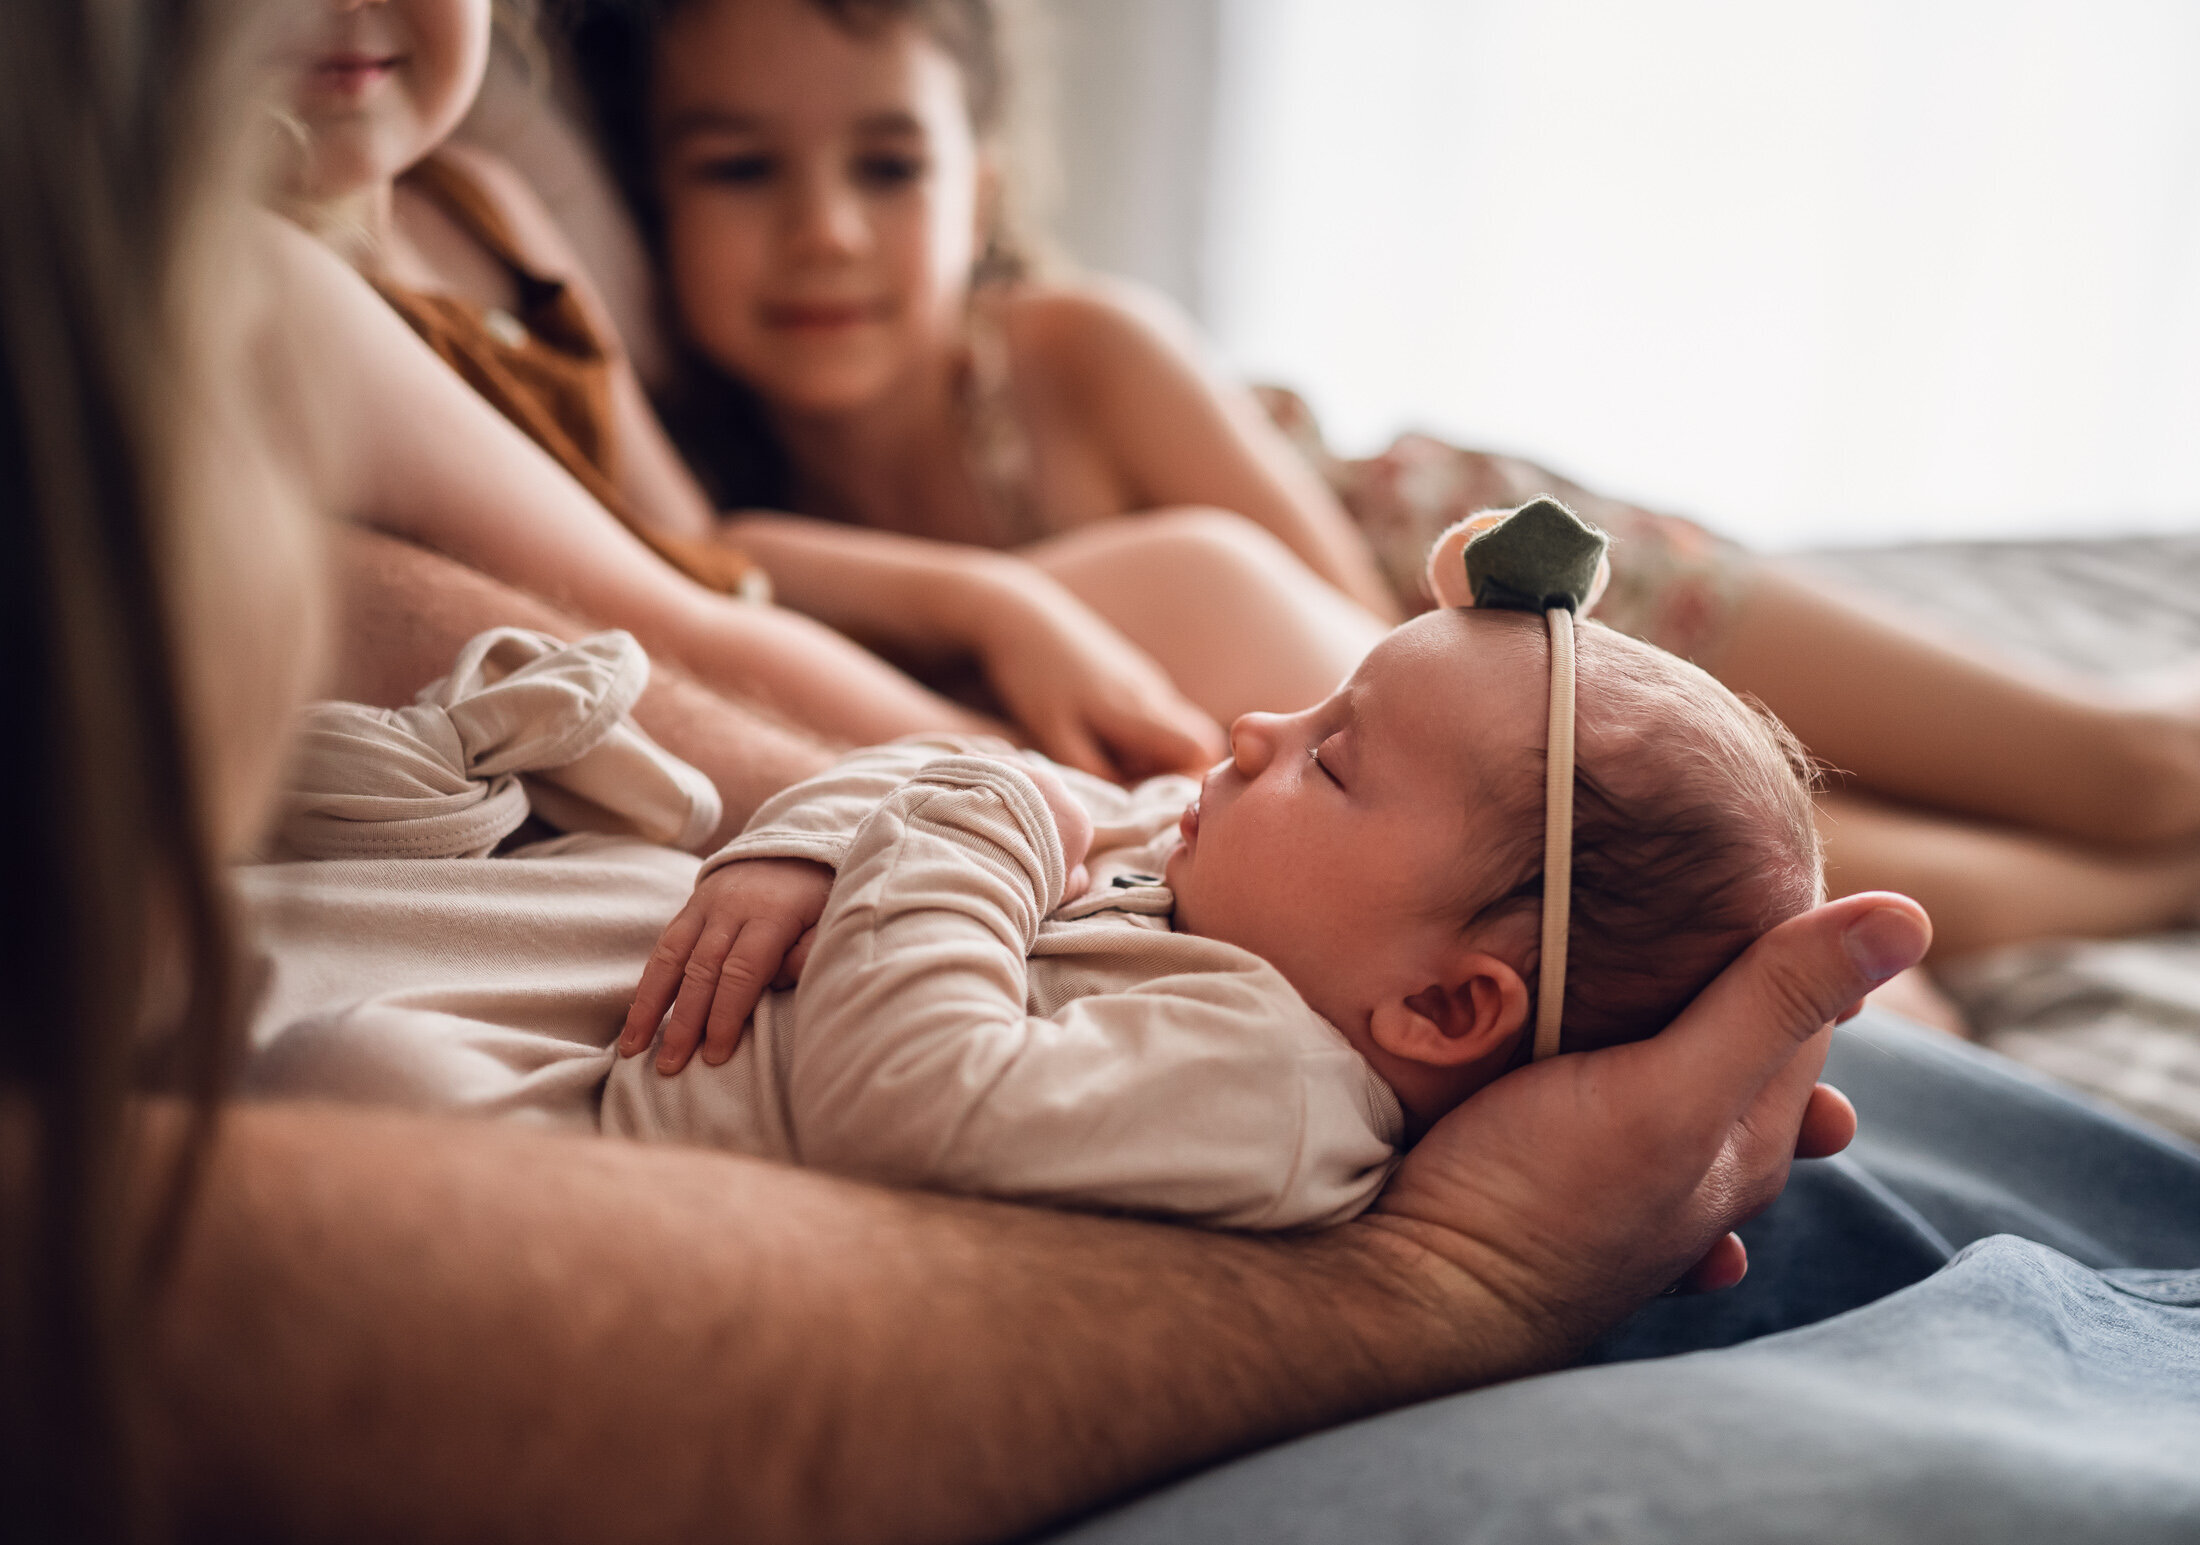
(1086, 695)
(1571, 1190)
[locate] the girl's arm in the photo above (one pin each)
(1174, 432)
(412, 451)
(648, 470)
(1085, 694)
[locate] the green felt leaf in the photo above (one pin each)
(1542, 555)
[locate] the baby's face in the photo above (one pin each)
(1334, 843)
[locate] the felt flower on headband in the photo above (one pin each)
(1530, 559)
(1544, 559)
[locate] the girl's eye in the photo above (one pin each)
(735, 170)
(887, 170)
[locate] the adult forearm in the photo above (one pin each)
(388, 1328)
(403, 612)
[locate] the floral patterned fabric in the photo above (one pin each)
(1674, 584)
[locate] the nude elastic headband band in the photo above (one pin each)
(1540, 558)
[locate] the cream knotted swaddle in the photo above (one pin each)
(522, 724)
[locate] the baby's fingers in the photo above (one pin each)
(661, 979)
(750, 966)
(790, 969)
(698, 988)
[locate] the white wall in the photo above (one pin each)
(1133, 96)
(1888, 268)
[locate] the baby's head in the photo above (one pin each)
(1384, 849)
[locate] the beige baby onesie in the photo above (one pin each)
(959, 1027)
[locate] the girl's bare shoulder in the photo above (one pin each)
(1094, 335)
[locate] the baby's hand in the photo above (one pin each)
(1072, 822)
(748, 926)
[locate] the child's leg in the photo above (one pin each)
(1988, 885)
(1921, 721)
(1234, 617)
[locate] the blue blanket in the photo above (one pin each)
(1981, 1323)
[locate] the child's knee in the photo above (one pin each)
(1218, 540)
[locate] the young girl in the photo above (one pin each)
(824, 183)
(552, 474)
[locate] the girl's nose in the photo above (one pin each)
(828, 218)
(1253, 741)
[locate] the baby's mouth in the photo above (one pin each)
(1187, 824)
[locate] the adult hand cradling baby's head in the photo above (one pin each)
(1577, 1187)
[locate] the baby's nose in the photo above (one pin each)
(1253, 741)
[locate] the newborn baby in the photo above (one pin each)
(1233, 1001)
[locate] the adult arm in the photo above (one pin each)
(397, 1328)
(408, 448)
(402, 613)
(1175, 433)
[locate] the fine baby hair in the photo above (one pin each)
(1675, 824)
(1692, 836)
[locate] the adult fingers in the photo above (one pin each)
(1829, 1124)
(661, 979)
(1748, 1024)
(1722, 1266)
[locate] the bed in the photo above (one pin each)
(1980, 1323)
(2119, 1018)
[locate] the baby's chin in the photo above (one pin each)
(1172, 875)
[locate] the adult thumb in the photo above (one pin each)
(1747, 1025)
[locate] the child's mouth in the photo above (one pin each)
(353, 75)
(1187, 824)
(821, 316)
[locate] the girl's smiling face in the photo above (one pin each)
(821, 193)
(1336, 843)
(380, 83)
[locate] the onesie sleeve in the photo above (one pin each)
(816, 818)
(1210, 1095)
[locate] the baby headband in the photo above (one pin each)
(1539, 558)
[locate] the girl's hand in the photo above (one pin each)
(1085, 695)
(748, 926)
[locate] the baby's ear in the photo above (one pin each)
(1477, 1010)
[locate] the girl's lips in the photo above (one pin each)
(1187, 824)
(353, 75)
(822, 316)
